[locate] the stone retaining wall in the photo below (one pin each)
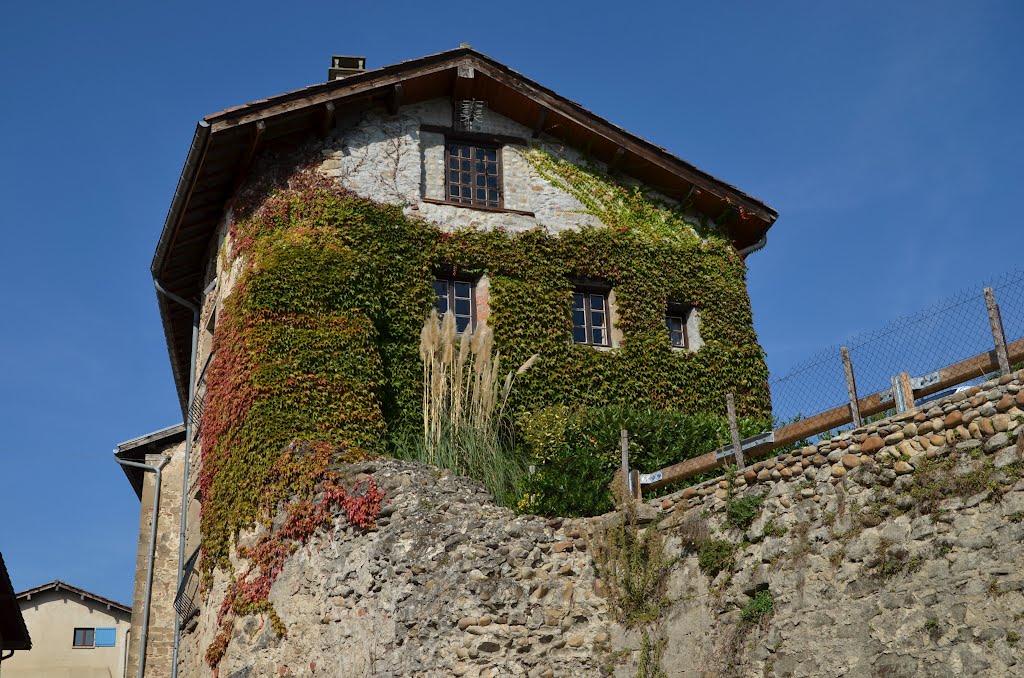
(895, 550)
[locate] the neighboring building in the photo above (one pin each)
(458, 141)
(13, 633)
(77, 634)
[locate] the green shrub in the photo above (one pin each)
(758, 607)
(716, 555)
(576, 451)
(741, 513)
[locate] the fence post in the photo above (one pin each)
(851, 387)
(734, 430)
(908, 390)
(624, 445)
(995, 320)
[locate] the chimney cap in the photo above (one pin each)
(343, 66)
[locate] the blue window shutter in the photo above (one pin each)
(106, 637)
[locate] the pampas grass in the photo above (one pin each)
(465, 427)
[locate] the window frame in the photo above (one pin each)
(474, 144)
(682, 312)
(87, 632)
(451, 280)
(589, 292)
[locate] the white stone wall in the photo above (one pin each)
(389, 158)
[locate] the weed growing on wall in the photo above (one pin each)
(632, 560)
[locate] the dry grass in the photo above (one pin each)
(464, 398)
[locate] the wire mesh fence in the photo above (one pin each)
(947, 332)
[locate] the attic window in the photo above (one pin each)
(473, 173)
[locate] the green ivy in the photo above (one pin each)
(318, 342)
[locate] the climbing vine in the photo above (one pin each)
(317, 345)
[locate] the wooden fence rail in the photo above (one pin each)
(951, 375)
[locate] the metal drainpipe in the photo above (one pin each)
(188, 456)
(746, 251)
(152, 552)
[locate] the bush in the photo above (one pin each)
(576, 451)
(715, 555)
(741, 513)
(757, 608)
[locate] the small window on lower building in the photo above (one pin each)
(590, 317)
(456, 297)
(85, 638)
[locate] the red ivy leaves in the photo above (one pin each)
(361, 505)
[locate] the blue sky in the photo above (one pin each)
(887, 135)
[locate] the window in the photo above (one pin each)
(675, 321)
(474, 174)
(683, 324)
(85, 638)
(590, 317)
(456, 296)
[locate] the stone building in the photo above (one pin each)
(460, 143)
(75, 633)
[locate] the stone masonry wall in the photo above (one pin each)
(895, 550)
(160, 639)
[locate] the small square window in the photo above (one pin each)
(590, 318)
(84, 638)
(474, 174)
(459, 298)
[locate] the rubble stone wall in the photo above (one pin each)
(894, 550)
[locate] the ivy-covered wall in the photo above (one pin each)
(318, 341)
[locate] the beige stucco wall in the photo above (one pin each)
(165, 570)
(52, 618)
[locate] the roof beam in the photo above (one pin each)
(619, 157)
(395, 98)
(327, 119)
(542, 120)
(250, 154)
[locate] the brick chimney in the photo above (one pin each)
(344, 66)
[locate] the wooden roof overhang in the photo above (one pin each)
(13, 632)
(225, 143)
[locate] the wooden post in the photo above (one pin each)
(998, 338)
(634, 482)
(908, 390)
(851, 387)
(624, 444)
(734, 430)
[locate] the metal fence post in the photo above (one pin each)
(734, 430)
(851, 387)
(995, 320)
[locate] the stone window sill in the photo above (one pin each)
(434, 201)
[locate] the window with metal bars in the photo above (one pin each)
(590, 318)
(457, 297)
(473, 174)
